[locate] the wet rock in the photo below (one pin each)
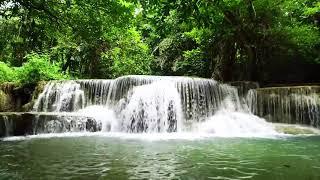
(15, 124)
(16, 98)
(20, 124)
(244, 86)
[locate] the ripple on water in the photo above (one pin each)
(115, 158)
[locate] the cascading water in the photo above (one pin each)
(229, 121)
(60, 96)
(155, 107)
(8, 124)
(149, 104)
(292, 105)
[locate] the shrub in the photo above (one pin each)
(7, 74)
(39, 68)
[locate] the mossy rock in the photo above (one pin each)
(294, 130)
(6, 102)
(38, 89)
(19, 98)
(27, 107)
(35, 94)
(18, 124)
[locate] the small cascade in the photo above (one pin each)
(60, 96)
(251, 100)
(26, 123)
(294, 105)
(59, 123)
(8, 125)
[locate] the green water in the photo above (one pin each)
(99, 157)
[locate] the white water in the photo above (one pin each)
(157, 106)
(101, 114)
(8, 125)
(60, 97)
(287, 104)
(228, 122)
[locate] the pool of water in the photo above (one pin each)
(111, 157)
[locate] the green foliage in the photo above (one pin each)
(198, 35)
(193, 63)
(303, 36)
(39, 68)
(130, 56)
(313, 10)
(111, 38)
(7, 74)
(212, 37)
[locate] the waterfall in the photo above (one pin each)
(199, 97)
(8, 126)
(294, 105)
(144, 104)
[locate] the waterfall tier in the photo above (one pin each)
(294, 105)
(199, 97)
(142, 104)
(161, 104)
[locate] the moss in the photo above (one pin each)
(294, 130)
(7, 87)
(6, 102)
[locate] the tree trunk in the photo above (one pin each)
(225, 60)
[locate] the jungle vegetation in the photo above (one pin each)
(228, 40)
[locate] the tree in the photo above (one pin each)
(231, 33)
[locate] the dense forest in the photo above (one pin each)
(269, 41)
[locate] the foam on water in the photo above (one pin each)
(228, 122)
(102, 114)
(139, 136)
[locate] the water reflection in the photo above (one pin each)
(115, 158)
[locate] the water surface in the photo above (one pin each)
(101, 157)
